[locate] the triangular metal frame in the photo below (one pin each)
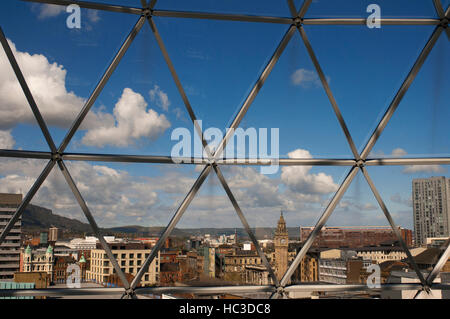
(56, 153)
(360, 161)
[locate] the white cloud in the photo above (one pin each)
(6, 140)
(93, 15)
(299, 179)
(252, 188)
(114, 196)
(397, 198)
(117, 197)
(50, 10)
(178, 113)
(306, 78)
(160, 98)
(347, 205)
(47, 83)
(131, 121)
(412, 169)
(399, 152)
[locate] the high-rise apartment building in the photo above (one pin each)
(10, 247)
(431, 206)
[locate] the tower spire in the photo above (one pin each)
(281, 227)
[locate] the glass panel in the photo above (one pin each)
(209, 228)
(301, 193)
(358, 54)
(18, 175)
(206, 62)
(416, 197)
(18, 126)
(419, 127)
(53, 58)
(57, 239)
(358, 9)
(293, 101)
(140, 106)
(267, 8)
(132, 207)
(358, 208)
(140, 111)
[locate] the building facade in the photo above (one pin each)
(381, 254)
(307, 270)
(341, 266)
(213, 263)
(353, 237)
(39, 261)
(10, 248)
(431, 207)
(257, 275)
(236, 262)
(130, 256)
(188, 265)
(54, 234)
(341, 271)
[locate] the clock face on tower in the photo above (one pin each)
(283, 241)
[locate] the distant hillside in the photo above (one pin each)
(260, 232)
(36, 218)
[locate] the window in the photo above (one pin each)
(343, 127)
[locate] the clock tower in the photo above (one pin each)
(281, 248)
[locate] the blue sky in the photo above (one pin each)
(218, 62)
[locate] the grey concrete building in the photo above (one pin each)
(431, 206)
(10, 248)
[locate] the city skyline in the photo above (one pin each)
(304, 190)
(102, 150)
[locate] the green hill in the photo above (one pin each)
(37, 219)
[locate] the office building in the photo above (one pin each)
(130, 257)
(431, 207)
(53, 234)
(381, 254)
(10, 247)
(341, 267)
(355, 236)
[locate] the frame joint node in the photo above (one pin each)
(297, 21)
(56, 156)
(360, 163)
(444, 22)
(147, 12)
(129, 293)
(427, 289)
(281, 291)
